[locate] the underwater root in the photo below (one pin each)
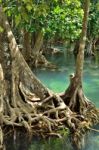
(39, 60)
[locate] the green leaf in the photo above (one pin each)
(17, 19)
(29, 7)
(1, 29)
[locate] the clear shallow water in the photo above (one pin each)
(58, 81)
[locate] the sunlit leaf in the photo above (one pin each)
(17, 19)
(1, 29)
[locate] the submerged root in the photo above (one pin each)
(39, 60)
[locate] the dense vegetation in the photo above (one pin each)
(28, 28)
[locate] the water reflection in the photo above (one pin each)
(22, 142)
(92, 140)
(52, 144)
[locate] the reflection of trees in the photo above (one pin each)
(52, 144)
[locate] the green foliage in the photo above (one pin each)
(1, 29)
(64, 132)
(56, 18)
(93, 25)
(66, 20)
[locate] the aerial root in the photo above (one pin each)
(46, 116)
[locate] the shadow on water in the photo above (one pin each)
(22, 142)
(58, 81)
(92, 140)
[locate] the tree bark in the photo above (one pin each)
(27, 52)
(38, 59)
(80, 56)
(38, 43)
(89, 47)
(1, 90)
(74, 96)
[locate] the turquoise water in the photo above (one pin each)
(58, 80)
